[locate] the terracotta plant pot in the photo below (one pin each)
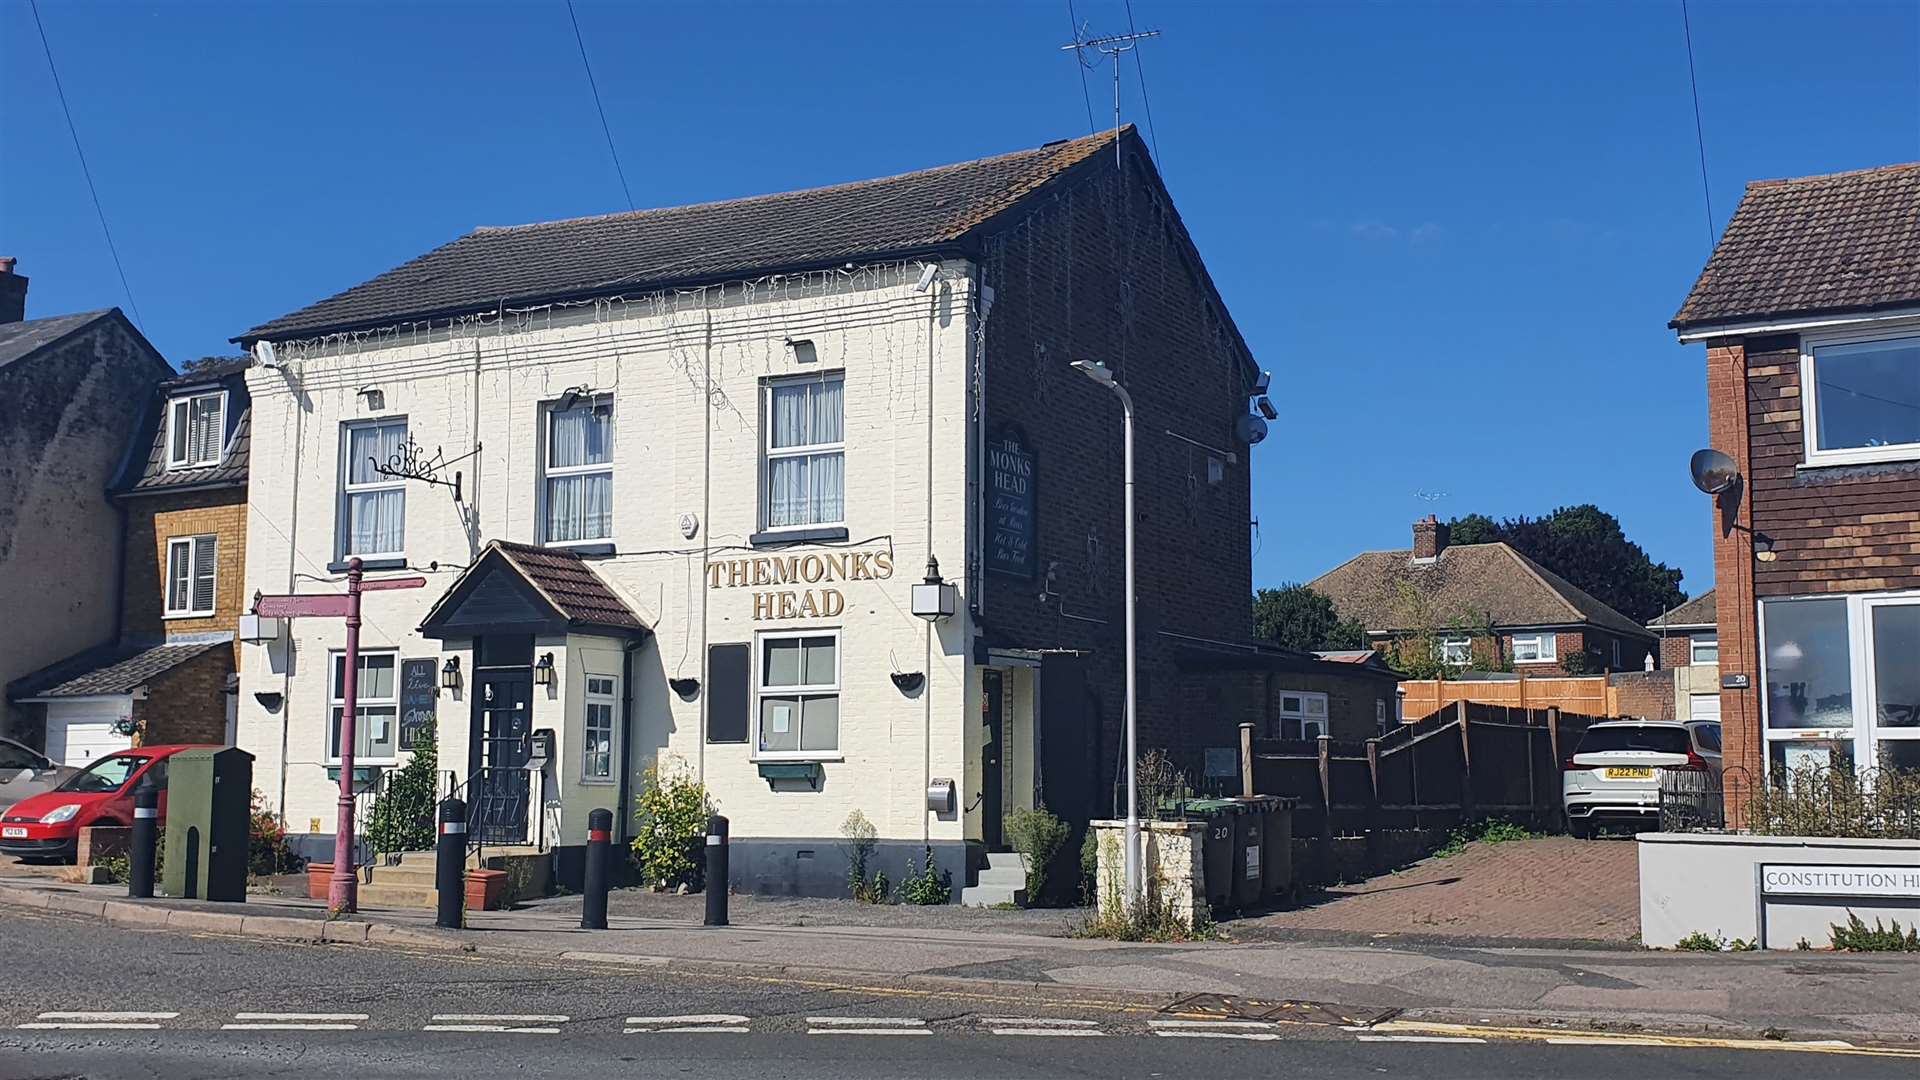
(318, 874)
(486, 890)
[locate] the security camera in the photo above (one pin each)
(1260, 385)
(928, 272)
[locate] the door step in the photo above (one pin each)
(1004, 881)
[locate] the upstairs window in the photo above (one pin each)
(191, 562)
(579, 473)
(1864, 400)
(805, 452)
(373, 507)
(196, 430)
(1535, 648)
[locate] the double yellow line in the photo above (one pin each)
(1569, 1037)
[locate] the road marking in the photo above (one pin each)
(109, 1016)
(496, 1029)
(691, 1024)
(496, 1023)
(1040, 1026)
(1043, 1031)
(298, 1018)
(866, 1025)
(868, 1031)
(1209, 1025)
(98, 1021)
(1549, 1035)
(289, 1027)
(1250, 1036)
(99, 1026)
(1423, 1038)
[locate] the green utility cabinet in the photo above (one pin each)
(209, 800)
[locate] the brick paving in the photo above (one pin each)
(1550, 889)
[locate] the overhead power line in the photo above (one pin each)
(1699, 132)
(84, 170)
(601, 109)
(1079, 32)
(1140, 67)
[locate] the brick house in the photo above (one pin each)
(71, 388)
(168, 674)
(1480, 607)
(901, 343)
(1690, 654)
(1810, 311)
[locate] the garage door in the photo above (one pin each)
(1705, 707)
(81, 732)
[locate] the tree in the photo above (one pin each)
(1585, 545)
(1299, 618)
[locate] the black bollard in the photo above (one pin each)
(593, 905)
(146, 837)
(450, 864)
(716, 871)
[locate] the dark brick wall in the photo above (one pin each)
(187, 704)
(1097, 271)
(1253, 697)
(1644, 694)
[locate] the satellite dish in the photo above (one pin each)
(1713, 471)
(1249, 429)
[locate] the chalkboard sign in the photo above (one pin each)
(1011, 505)
(419, 685)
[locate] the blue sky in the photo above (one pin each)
(1453, 232)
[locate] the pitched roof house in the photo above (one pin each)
(1482, 605)
(1810, 311)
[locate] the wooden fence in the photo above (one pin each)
(1472, 760)
(1586, 695)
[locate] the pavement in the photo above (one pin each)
(1803, 995)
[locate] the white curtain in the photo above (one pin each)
(809, 489)
(580, 436)
(580, 507)
(378, 522)
(369, 444)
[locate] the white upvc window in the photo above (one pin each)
(805, 476)
(376, 712)
(1303, 714)
(1704, 648)
(576, 495)
(192, 562)
(1861, 395)
(373, 506)
(1839, 685)
(196, 430)
(797, 695)
(596, 751)
(1457, 651)
(1535, 648)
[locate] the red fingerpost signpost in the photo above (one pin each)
(342, 887)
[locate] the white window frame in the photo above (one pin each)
(769, 453)
(1810, 399)
(1864, 734)
(611, 699)
(335, 701)
(184, 404)
(343, 512)
(1305, 715)
(1445, 648)
(548, 470)
(761, 689)
(1546, 647)
(191, 610)
(1696, 641)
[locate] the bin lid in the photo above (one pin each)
(1213, 806)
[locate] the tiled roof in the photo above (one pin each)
(1699, 611)
(1467, 583)
(118, 668)
(19, 340)
(570, 585)
(1845, 242)
(913, 213)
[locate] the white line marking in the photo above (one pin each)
(1578, 1040)
(694, 1018)
(289, 1027)
(108, 1016)
(868, 1031)
(1034, 1021)
(302, 1017)
(499, 1029)
(734, 1029)
(496, 1018)
(866, 1021)
(1045, 1031)
(91, 1026)
(1424, 1039)
(1258, 1025)
(1250, 1036)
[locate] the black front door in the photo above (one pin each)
(501, 789)
(992, 808)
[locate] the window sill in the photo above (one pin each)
(382, 563)
(598, 782)
(802, 758)
(1817, 465)
(174, 615)
(807, 535)
(586, 549)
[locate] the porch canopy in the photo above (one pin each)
(523, 589)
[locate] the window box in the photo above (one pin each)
(808, 771)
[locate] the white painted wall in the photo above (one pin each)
(678, 450)
(1708, 883)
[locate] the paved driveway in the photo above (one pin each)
(1552, 889)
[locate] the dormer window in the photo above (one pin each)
(196, 430)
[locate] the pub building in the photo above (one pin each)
(797, 494)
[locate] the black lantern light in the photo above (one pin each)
(543, 671)
(450, 674)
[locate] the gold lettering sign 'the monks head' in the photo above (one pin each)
(820, 568)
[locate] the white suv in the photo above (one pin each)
(1614, 772)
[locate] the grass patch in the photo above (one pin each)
(1487, 831)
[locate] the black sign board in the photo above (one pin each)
(1011, 505)
(419, 685)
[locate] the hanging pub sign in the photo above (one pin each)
(419, 685)
(1011, 504)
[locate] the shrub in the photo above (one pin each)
(673, 826)
(1856, 936)
(1699, 941)
(861, 841)
(1089, 865)
(1152, 919)
(928, 886)
(1817, 801)
(402, 818)
(1038, 836)
(267, 850)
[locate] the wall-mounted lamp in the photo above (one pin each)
(376, 397)
(543, 671)
(570, 397)
(803, 351)
(450, 674)
(688, 689)
(928, 272)
(933, 599)
(1763, 548)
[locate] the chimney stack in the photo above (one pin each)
(1429, 539)
(13, 292)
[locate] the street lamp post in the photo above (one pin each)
(1100, 374)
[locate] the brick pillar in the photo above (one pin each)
(1745, 749)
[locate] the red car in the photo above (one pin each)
(48, 826)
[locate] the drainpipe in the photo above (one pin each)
(620, 814)
(293, 530)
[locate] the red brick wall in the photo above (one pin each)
(1733, 569)
(1097, 272)
(1676, 650)
(1644, 694)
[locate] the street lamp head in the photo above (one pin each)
(1094, 370)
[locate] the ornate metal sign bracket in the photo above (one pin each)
(410, 462)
